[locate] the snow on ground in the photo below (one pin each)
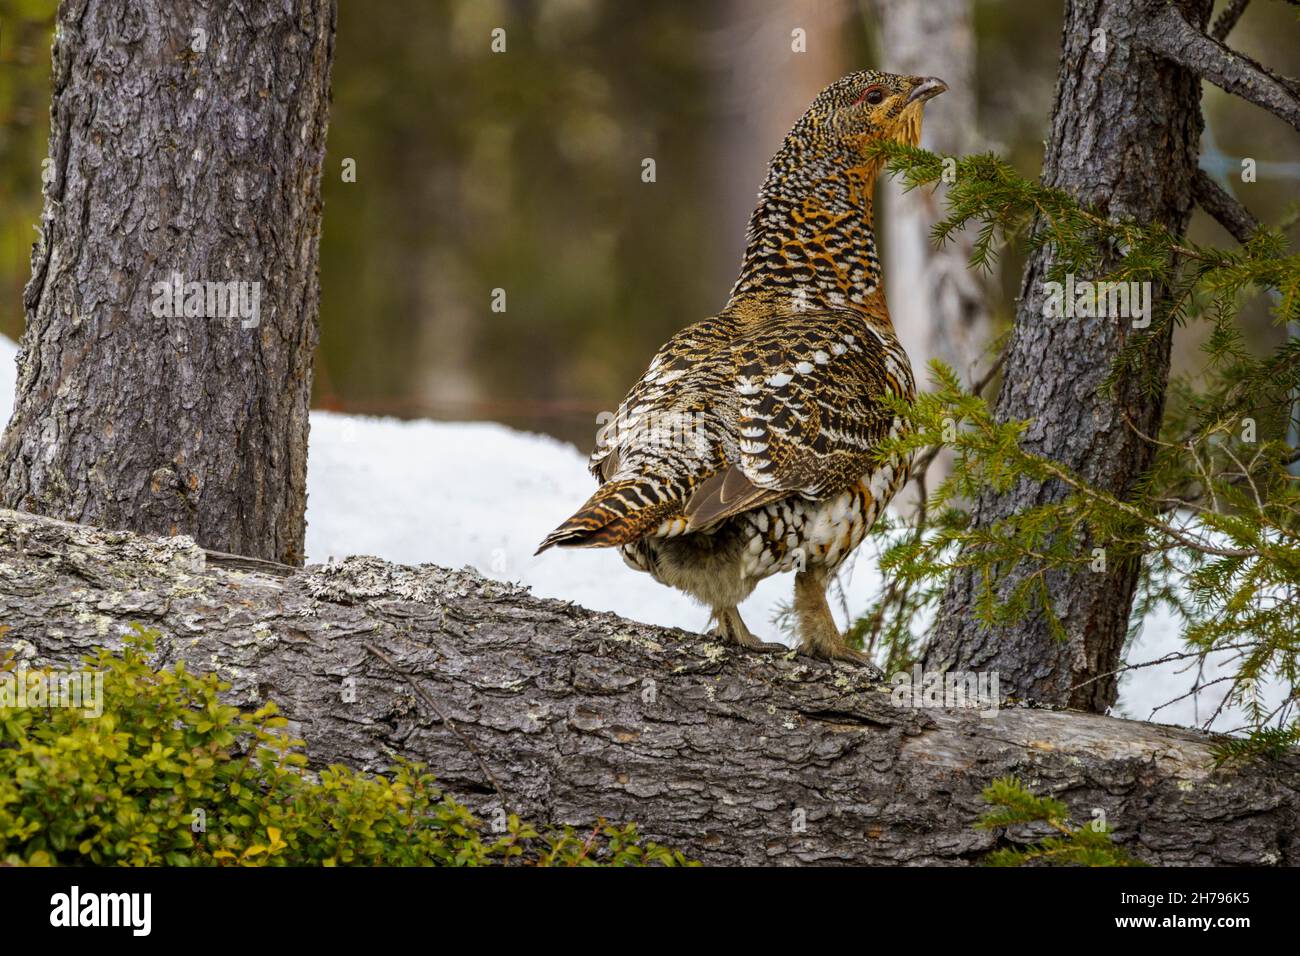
(484, 495)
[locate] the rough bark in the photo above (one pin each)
(1169, 33)
(1223, 207)
(730, 756)
(186, 138)
(1124, 139)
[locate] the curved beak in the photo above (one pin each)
(925, 89)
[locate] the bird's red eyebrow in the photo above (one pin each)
(863, 95)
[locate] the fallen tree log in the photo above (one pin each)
(566, 715)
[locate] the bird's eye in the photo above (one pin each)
(873, 95)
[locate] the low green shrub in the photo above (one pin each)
(169, 775)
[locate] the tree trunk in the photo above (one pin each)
(565, 715)
(1124, 140)
(186, 141)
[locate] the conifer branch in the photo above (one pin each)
(1171, 657)
(1214, 521)
(1228, 19)
(1137, 514)
(1171, 36)
(922, 463)
(1225, 210)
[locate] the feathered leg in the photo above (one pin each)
(818, 635)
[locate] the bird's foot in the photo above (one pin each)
(749, 642)
(732, 629)
(819, 636)
(839, 651)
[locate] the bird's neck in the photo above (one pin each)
(811, 242)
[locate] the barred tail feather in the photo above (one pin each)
(618, 513)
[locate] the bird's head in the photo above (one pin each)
(869, 106)
(812, 228)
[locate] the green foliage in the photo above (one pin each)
(25, 30)
(126, 788)
(1014, 805)
(1269, 743)
(1214, 524)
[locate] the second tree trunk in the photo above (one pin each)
(1124, 140)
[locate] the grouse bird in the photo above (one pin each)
(748, 446)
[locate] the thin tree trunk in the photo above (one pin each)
(186, 140)
(1124, 139)
(939, 305)
(763, 85)
(940, 311)
(564, 715)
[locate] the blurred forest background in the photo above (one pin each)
(522, 171)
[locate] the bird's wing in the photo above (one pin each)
(809, 413)
(669, 406)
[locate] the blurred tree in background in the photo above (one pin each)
(522, 171)
(25, 30)
(517, 170)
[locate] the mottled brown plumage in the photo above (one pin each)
(748, 446)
